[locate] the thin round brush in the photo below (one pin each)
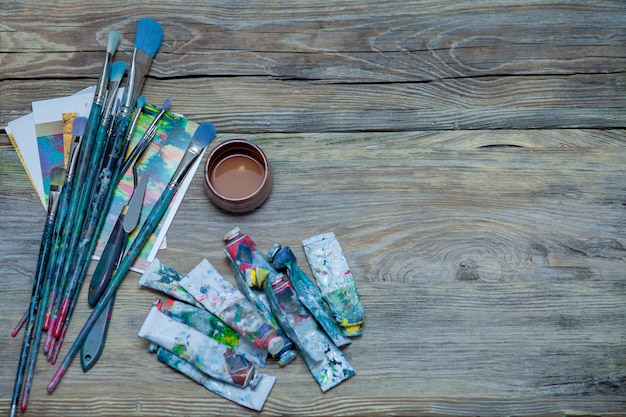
(62, 305)
(82, 168)
(78, 130)
(57, 177)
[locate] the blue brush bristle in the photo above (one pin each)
(117, 70)
(148, 36)
(204, 134)
(113, 41)
(79, 126)
(166, 104)
(141, 101)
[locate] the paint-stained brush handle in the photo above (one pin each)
(44, 252)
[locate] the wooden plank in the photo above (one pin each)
(469, 156)
(490, 264)
(391, 66)
(254, 105)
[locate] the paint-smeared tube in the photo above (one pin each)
(308, 293)
(251, 397)
(250, 270)
(213, 358)
(333, 277)
(256, 296)
(165, 279)
(248, 260)
(223, 299)
(325, 361)
(208, 324)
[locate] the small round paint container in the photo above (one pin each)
(237, 176)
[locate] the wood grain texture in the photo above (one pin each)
(424, 65)
(468, 155)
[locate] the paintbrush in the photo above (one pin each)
(201, 138)
(148, 38)
(90, 129)
(126, 222)
(57, 177)
(141, 101)
(145, 140)
(116, 74)
(83, 167)
(118, 69)
(78, 130)
(115, 246)
(68, 285)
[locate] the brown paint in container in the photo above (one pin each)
(237, 176)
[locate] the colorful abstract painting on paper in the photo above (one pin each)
(50, 117)
(159, 162)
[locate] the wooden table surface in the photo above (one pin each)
(469, 156)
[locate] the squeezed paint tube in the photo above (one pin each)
(308, 293)
(333, 277)
(224, 300)
(324, 359)
(250, 262)
(210, 325)
(215, 359)
(251, 397)
(250, 270)
(161, 277)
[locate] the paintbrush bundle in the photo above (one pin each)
(84, 154)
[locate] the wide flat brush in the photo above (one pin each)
(148, 38)
(201, 138)
(57, 177)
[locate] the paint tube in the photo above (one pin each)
(251, 397)
(215, 359)
(250, 262)
(224, 300)
(324, 359)
(250, 270)
(335, 280)
(165, 279)
(210, 325)
(308, 293)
